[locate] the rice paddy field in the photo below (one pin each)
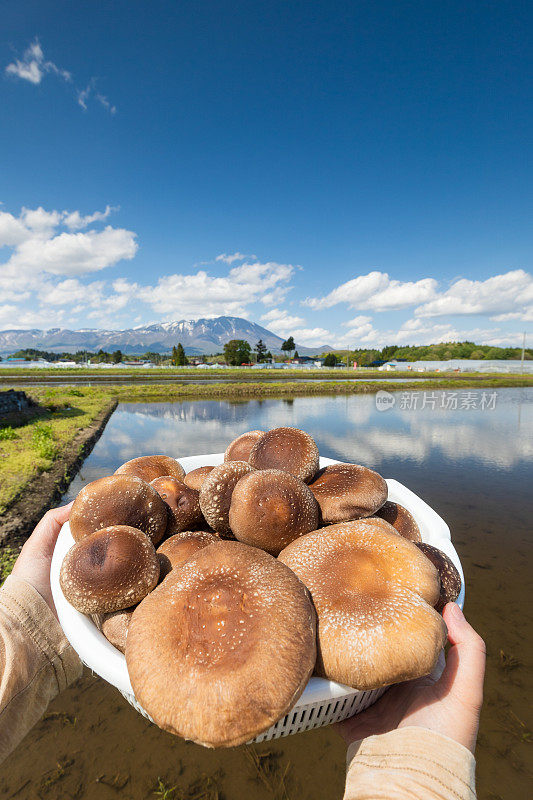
(465, 450)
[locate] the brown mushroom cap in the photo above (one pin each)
(450, 580)
(401, 519)
(216, 491)
(270, 508)
(373, 596)
(196, 477)
(232, 633)
(112, 569)
(239, 449)
(183, 504)
(115, 627)
(118, 500)
(348, 491)
(179, 548)
(149, 467)
(288, 449)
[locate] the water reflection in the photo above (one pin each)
(347, 428)
(474, 467)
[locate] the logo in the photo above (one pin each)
(384, 400)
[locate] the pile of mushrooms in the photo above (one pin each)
(267, 570)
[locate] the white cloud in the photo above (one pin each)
(102, 99)
(312, 337)
(38, 247)
(232, 257)
(376, 291)
(509, 293)
(281, 322)
(83, 96)
(32, 66)
(202, 294)
(16, 318)
(75, 221)
(357, 322)
(71, 291)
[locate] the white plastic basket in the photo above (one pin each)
(322, 702)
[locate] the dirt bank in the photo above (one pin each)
(40, 494)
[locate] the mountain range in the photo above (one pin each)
(198, 337)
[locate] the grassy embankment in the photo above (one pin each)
(244, 391)
(245, 375)
(40, 451)
(51, 443)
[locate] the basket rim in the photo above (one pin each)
(110, 664)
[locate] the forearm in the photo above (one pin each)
(409, 762)
(36, 661)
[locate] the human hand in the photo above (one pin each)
(450, 705)
(33, 563)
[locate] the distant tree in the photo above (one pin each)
(288, 345)
(237, 352)
(388, 352)
(261, 350)
(296, 355)
(268, 356)
(179, 359)
(117, 357)
(330, 360)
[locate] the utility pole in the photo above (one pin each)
(523, 353)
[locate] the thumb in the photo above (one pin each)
(465, 664)
(43, 539)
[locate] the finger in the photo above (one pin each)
(44, 536)
(465, 665)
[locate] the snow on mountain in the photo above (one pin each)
(197, 337)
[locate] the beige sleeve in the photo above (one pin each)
(36, 661)
(410, 763)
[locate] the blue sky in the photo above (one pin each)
(350, 173)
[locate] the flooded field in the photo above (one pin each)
(467, 453)
(5, 383)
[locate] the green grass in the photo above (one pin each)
(37, 443)
(138, 374)
(8, 556)
(43, 441)
(245, 391)
(7, 433)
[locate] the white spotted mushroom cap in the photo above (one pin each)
(373, 595)
(110, 570)
(288, 449)
(450, 580)
(216, 491)
(401, 519)
(270, 508)
(239, 449)
(149, 467)
(176, 550)
(118, 500)
(183, 504)
(196, 477)
(348, 491)
(223, 648)
(115, 626)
